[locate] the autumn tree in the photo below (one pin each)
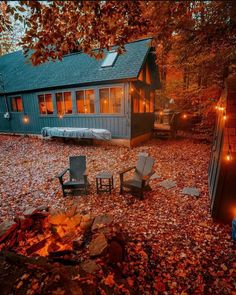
(194, 37)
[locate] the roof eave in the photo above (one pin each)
(95, 83)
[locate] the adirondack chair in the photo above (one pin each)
(141, 176)
(78, 178)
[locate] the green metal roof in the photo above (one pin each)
(75, 69)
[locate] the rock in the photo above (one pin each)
(29, 211)
(25, 223)
(78, 242)
(90, 266)
(39, 212)
(6, 228)
(86, 222)
(72, 211)
(192, 191)
(115, 252)
(57, 219)
(168, 183)
(74, 221)
(101, 221)
(42, 208)
(98, 245)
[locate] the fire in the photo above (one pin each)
(51, 233)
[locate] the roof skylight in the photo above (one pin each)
(109, 59)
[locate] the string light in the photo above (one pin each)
(184, 116)
(60, 116)
(229, 155)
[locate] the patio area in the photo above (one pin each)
(173, 244)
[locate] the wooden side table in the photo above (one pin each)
(104, 182)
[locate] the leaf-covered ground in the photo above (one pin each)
(174, 247)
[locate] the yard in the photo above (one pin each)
(173, 243)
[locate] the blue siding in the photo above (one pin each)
(118, 124)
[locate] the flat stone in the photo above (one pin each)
(101, 221)
(6, 228)
(98, 245)
(25, 223)
(73, 221)
(155, 176)
(90, 266)
(191, 191)
(30, 211)
(168, 183)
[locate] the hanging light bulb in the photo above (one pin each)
(184, 116)
(60, 116)
(25, 119)
(228, 156)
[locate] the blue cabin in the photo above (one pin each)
(116, 93)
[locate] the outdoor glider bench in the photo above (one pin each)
(78, 176)
(79, 133)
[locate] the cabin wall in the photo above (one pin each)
(222, 168)
(118, 124)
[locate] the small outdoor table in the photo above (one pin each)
(101, 182)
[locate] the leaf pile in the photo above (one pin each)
(174, 247)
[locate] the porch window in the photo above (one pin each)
(152, 102)
(64, 103)
(136, 103)
(142, 101)
(45, 104)
(110, 100)
(85, 101)
(16, 104)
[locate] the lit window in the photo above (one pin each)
(152, 102)
(136, 103)
(110, 100)
(45, 104)
(142, 102)
(16, 104)
(109, 59)
(85, 101)
(64, 103)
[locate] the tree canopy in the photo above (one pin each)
(197, 37)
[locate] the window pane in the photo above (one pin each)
(104, 100)
(116, 95)
(49, 103)
(147, 106)
(60, 104)
(148, 76)
(147, 102)
(68, 102)
(13, 104)
(136, 103)
(80, 101)
(42, 105)
(141, 102)
(89, 101)
(19, 104)
(109, 59)
(152, 102)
